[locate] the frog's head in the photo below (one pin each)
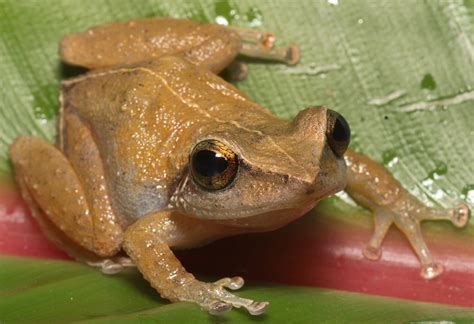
(265, 176)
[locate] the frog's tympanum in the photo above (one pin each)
(156, 152)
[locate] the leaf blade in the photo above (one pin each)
(86, 295)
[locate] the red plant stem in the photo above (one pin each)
(317, 250)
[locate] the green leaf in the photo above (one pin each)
(401, 72)
(34, 290)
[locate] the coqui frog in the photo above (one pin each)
(156, 152)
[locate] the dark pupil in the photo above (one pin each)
(208, 164)
(341, 130)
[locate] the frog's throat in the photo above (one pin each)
(179, 203)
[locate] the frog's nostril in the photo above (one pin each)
(338, 133)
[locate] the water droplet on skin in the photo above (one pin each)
(428, 82)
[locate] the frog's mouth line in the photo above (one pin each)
(215, 214)
(178, 201)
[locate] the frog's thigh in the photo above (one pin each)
(374, 187)
(84, 157)
(47, 177)
(216, 52)
(148, 243)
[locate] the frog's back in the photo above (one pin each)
(145, 118)
(133, 41)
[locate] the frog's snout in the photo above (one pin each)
(338, 133)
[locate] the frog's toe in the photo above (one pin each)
(233, 283)
(253, 307)
(222, 307)
(217, 300)
(372, 253)
(219, 308)
(236, 71)
(257, 308)
(432, 270)
(112, 266)
(460, 215)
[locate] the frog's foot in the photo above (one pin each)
(431, 270)
(261, 45)
(257, 37)
(113, 265)
(460, 215)
(236, 71)
(372, 253)
(373, 186)
(383, 221)
(217, 300)
(287, 54)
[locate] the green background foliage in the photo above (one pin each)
(401, 72)
(355, 56)
(56, 292)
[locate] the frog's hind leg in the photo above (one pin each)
(261, 45)
(60, 239)
(54, 193)
(287, 54)
(215, 53)
(218, 52)
(374, 187)
(261, 38)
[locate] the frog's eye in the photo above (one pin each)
(213, 165)
(338, 133)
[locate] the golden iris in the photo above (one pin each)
(213, 165)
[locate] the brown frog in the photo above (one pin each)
(156, 152)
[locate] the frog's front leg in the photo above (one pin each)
(374, 187)
(148, 243)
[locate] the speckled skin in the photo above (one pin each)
(119, 176)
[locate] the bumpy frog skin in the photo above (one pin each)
(155, 151)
